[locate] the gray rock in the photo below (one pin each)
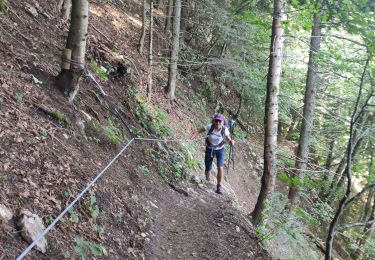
(32, 11)
(5, 214)
(31, 225)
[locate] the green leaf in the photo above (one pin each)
(95, 212)
(35, 80)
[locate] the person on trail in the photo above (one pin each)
(217, 133)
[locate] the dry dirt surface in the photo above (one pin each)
(201, 226)
(45, 163)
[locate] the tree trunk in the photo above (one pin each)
(73, 60)
(149, 86)
(142, 39)
(168, 18)
(172, 76)
(354, 117)
(308, 111)
(271, 114)
(185, 11)
(329, 159)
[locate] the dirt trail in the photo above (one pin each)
(204, 225)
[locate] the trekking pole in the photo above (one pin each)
(232, 125)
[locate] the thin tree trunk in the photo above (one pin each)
(167, 27)
(332, 226)
(367, 231)
(73, 61)
(329, 159)
(172, 77)
(185, 11)
(142, 39)
(149, 86)
(271, 114)
(308, 111)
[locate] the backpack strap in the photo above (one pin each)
(208, 144)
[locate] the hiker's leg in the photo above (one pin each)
(220, 173)
(220, 155)
(208, 159)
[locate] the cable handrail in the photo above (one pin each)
(62, 214)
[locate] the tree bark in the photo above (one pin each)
(332, 226)
(308, 111)
(142, 39)
(73, 61)
(172, 76)
(168, 18)
(149, 86)
(271, 114)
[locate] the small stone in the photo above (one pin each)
(143, 235)
(238, 229)
(31, 10)
(5, 214)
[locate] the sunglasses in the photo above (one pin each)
(217, 121)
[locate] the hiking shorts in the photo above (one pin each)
(209, 157)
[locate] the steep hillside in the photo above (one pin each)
(146, 205)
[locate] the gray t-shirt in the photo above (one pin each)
(215, 137)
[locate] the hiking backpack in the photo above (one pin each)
(227, 124)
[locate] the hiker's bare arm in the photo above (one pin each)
(230, 140)
(196, 133)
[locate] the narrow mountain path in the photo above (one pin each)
(204, 224)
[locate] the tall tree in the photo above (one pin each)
(271, 113)
(355, 115)
(149, 85)
(172, 75)
(308, 110)
(143, 35)
(73, 60)
(168, 17)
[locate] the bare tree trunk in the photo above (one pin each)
(185, 11)
(149, 86)
(142, 39)
(271, 113)
(367, 231)
(353, 121)
(73, 60)
(308, 111)
(172, 76)
(167, 27)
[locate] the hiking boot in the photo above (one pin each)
(220, 189)
(208, 177)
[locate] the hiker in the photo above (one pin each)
(217, 133)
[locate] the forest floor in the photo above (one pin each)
(45, 161)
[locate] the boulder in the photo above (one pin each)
(31, 225)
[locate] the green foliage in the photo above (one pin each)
(73, 216)
(59, 117)
(117, 217)
(42, 135)
(92, 139)
(102, 71)
(112, 131)
(90, 206)
(177, 171)
(144, 170)
(150, 216)
(36, 81)
(19, 97)
(83, 247)
(288, 229)
(3, 7)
